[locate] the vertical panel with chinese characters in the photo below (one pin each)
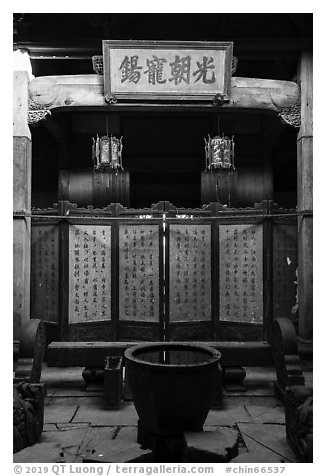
(241, 273)
(45, 272)
(139, 272)
(89, 273)
(190, 273)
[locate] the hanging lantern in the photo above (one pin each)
(107, 153)
(219, 153)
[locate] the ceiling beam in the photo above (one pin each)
(244, 48)
(50, 92)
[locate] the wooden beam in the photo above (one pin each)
(52, 92)
(65, 354)
(305, 203)
(81, 49)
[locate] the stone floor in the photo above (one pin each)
(75, 416)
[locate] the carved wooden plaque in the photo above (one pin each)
(45, 272)
(89, 273)
(190, 273)
(241, 273)
(166, 70)
(285, 263)
(139, 273)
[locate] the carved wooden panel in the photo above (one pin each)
(45, 272)
(241, 273)
(285, 263)
(139, 272)
(190, 272)
(89, 273)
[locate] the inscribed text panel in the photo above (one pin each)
(139, 273)
(89, 273)
(45, 272)
(241, 273)
(190, 273)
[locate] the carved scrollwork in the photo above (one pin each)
(111, 99)
(291, 115)
(37, 113)
(218, 100)
(98, 64)
(234, 65)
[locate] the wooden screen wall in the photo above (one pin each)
(45, 272)
(285, 264)
(158, 274)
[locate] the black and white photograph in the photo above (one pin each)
(162, 241)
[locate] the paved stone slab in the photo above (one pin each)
(72, 458)
(261, 414)
(247, 399)
(228, 417)
(62, 401)
(128, 432)
(74, 392)
(95, 435)
(40, 453)
(258, 457)
(218, 446)
(49, 427)
(102, 417)
(116, 451)
(72, 426)
(67, 438)
(261, 437)
(59, 413)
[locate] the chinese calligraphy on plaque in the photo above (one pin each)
(241, 273)
(180, 68)
(285, 263)
(45, 272)
(139, 273)
(89, 273)
(190, 273)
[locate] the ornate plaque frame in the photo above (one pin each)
(199, 71)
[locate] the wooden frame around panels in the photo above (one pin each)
(64, 214)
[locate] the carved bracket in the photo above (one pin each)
(111, 99)
(218, 100)
(37, 113)
(290, 115)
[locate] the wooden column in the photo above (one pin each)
(21, 202)
(305, 240)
